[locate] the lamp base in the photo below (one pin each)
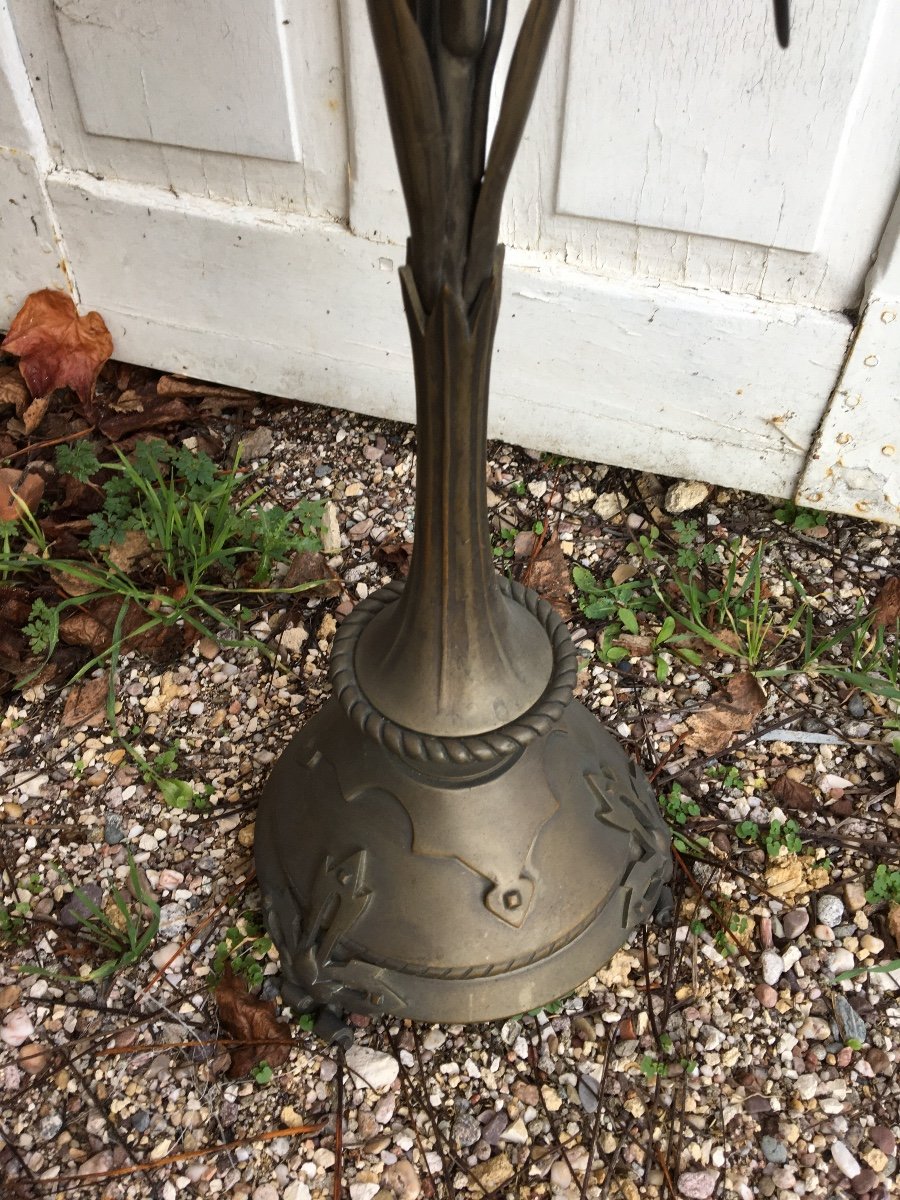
(460, 890)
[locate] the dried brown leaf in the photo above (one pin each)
(395, 555)
(246, 1016)
(307, 567)
(155, 414)
(887, 603)
(551, 577)
(132, 549)
(86, 703)
(56, 347)
(13, 392)
(27, 485)
(792, 794)
(35, 413)
(712, 728)
(173, 385)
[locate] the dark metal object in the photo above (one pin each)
(454, 838)
(783, 22)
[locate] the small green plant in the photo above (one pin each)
(652, 1069)
(783, 835)
(262, 1073)
(123, 940)
(747, 831)
(14, 923)
(244, 948)
(517, 487)
(677, 806)
(799, 518)
(207, 547)
(885, 886)
(504, 547)
(728, 775)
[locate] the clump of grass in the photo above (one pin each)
(123, 941)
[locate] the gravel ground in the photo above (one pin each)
(675, 1071)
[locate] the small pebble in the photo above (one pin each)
(697, 1185)
(766, 995)
(773, 1150)
(772, 966)
(795, 922)
(841, 960)
(17, 1027)
(884, 1139)
(830, 910)
(844, 1160)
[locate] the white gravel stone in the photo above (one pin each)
(376, 1069)
(17, 1027)
(806, 1086)
(841, 960)
(697, 1185)
(830, 910)
(844, 1160)
(363, 1191)
(685, 495)
(772, 965)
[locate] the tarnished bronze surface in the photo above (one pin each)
(453, 838)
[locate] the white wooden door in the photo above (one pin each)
(692, 216)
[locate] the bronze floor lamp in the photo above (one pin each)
(453, 837)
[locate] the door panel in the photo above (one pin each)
(197, 75)
(729, 137)
(239, 100)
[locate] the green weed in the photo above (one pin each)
(124, 941)
(885, 886)
(244, 948)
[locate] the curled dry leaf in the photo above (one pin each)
(247, 1017)
(86, 703)
(712, 728)
(308, 567)
(13, 392)
(56, 347)
(551, 577)
(792, 794)
(887, 603)
(27, 485)
(395, 555)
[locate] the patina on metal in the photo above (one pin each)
(454, 837)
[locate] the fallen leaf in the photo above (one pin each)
(893, 922)
(635, 644)
(246, 1016)
(13, 392)
(307, 567)
(395, 555)
(56, 347)
(551, 577)
(712, 728)
(886, 608)
(27, 485)
(133, 548)
(86, 703)
(623, 572)
(793, 794)
(155, 414)
(173, 385)
(35, 413)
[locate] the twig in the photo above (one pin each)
(186, 1155)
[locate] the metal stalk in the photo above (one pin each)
(454, 838)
